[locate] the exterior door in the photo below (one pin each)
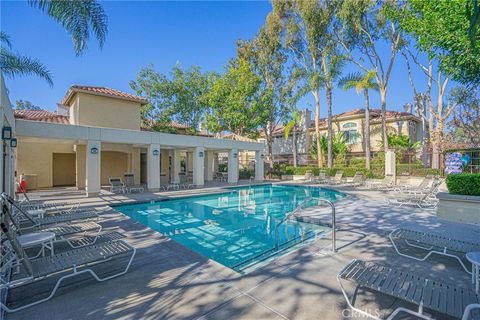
(63, 169)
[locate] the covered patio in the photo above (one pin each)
(88, 156)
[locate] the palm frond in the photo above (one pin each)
(288, 128)
(349, 81)
(5, 39)
(12, 65)
(79, 18)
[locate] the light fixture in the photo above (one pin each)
(235, 155)
(13, 143)
(262, 156)
(94, 150)
(7, 133)
(200, 154)
(155, 152)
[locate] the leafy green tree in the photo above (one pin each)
(157, 88)
(79, 18)
(365, 28)
(447, 31)
(189, 88)
(466, 118)
(234, 100)
(306, 24)
(25, 105)
(268, 60)
(362, 83)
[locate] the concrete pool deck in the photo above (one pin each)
(168, 281)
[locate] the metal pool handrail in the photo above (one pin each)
(332, 206)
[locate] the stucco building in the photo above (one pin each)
(351, 125)
(95, 134)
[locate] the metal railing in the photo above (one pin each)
(299, 207)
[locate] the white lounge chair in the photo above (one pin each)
(421, 200)
(436, 295)
(116, 185)
(433, 244)
(358, 180)
(386, 184)
(337, 179)
(67, 263)
(130, 185)
(322, 177)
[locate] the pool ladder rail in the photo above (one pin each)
(298, 208)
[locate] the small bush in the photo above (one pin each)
(246, 173)
(464, 184)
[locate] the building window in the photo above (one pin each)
(350, 132)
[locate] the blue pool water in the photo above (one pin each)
(236, 228)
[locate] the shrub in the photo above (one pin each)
(347, 171)
(246, 173)
(464, 184)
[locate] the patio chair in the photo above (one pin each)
(427, 199)
(130, 185)
(422, 187)
(433, 244)
(387, 183)
(322, 177)
(218, 176)
(116, 185)
(337, 179)
(358, 180)
(30, 222)
(67, 263)
(436, 295)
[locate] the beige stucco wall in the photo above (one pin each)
(113, 164)
(37, 158)
(100, 111)
(375, 132)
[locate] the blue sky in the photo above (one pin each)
(161, 33)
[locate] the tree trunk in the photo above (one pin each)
(329, 124)
(294, 146)
(317, 128)
(270, 154)
(367, 130)
(383, 98)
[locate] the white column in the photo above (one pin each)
(233, 166)
(259, 165)
(210, 168)
(176, 166)
(390, 164)
(93, 168)
(153, 167)
(198, 163)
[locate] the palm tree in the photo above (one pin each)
(13, 64)
(292, 126)
(79, 18)
(332, 64)
(362, 83)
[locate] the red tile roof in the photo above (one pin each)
(104, 92)
(40, 115)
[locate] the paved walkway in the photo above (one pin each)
(168, 281)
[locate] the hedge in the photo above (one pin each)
(347, 171)
(464, 184)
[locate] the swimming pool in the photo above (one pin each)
(235, 228)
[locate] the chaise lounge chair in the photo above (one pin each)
(421, 200)
(438, 296)
(357, 181)
(337, 179)
(423, 187)
(116, 185)
(34, 222)
(386, 184)
(433, 244)
(130, 185)
(67, 263)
